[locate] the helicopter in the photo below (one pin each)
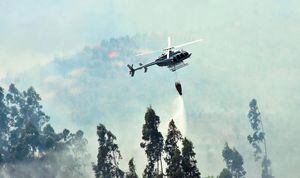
(172, 57)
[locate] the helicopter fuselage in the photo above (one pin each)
(174, 61)
(175, 58)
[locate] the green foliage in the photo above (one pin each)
(149, 170)
(234, 161)
(258, 136)
(132, 170)
(4, 127)
(26, 107)
(153, 143)
(108, 155)
(189, 163)
(258, 139)
(175, 168)
(173, 156)
(225, 174)
(27, 145)
(26, 136)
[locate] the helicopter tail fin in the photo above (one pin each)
(131, 70)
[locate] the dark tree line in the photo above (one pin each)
(26, 136)
(180, 163)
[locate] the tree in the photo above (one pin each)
(28, 144)
(234, 161)
(24, 108)
(173, 156)
(33, 109)
(50, 137)
(225, 174)
(258, 138)
(258, 135)
(266, 168)
(131, 173)
(26, 136)
(153, 144)
(108, 155)
(15, 101)
(4, 127)
(189, 163)
(175, 168)
(77, 151)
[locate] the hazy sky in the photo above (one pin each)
(39, 30)
(250, 49)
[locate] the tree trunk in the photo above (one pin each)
(115, 161)
(157, 167)
(161, 167)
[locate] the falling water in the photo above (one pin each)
(180, 114)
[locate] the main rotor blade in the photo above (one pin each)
(168, 54)
(188, 43)
(169, 47)
(148, 52)
(169, 42)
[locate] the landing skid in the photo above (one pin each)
(173, 68)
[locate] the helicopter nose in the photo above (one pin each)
(189, 55)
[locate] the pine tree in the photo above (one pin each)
(108, 155)
(173, 156)
(234, 161)
(153, 144)
(189, 162)
(132, 172)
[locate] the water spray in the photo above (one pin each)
(180, 114)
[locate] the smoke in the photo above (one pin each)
(180, 114)
(58, 164)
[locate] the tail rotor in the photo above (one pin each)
(131, 70)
